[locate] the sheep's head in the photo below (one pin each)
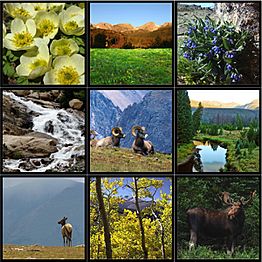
(118, 132)
(139, 131)
(62, 221)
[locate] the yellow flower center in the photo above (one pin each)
(67, 75)
(63, 50)
(70, 26)
(21, 12)
(23, 39)
(45, 27)
(38, 63)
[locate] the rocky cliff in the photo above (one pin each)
(154, 112)
(103, 113)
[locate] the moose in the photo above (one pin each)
(227, 223)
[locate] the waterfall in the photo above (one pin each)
(65, 127)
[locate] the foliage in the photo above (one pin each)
(212, 53)
(196, 118)
(184, 117)
(38, 38)
(124, 228)
(203, 192)
(130, 66)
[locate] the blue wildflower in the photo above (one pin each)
(216, 49)
(230, 55)
(209, 55)
(214, 41)
(187, 56)
(229, 67)
(191, 29)
(190, 44)
(235, 77)
(213, 30)
(206, 28)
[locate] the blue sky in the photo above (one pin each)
(132, 13)
(202, 4)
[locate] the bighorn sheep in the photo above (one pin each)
(113, 140)
(140, 145)
(66, 231)
(93, 135)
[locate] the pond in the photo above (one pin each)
(213, 156)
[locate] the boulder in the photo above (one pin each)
(76, 104)
(28, 146)
(21, 92)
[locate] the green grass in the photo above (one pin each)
(42, 252)
(131, 66)
(202, 252)
(124, 160)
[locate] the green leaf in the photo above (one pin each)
(8, 70)
(226, 44)
(22, 80)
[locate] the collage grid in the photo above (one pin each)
(168, 168)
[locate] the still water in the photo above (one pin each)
(213, 156)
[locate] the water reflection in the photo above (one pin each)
(213, 156)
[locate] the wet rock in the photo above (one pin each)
(16, 118)
(17, 147)
(49, 127)
(63, 117)
(76, 104)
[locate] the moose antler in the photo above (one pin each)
(252, 194)
(225, 197)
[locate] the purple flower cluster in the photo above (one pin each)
(190, 44)
(191, 29)
(235, 77)
(230, 55)
(229, 67)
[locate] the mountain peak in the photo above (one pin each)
(150, 26)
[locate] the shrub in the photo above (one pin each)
(212, 52)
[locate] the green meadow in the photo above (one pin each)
(131, 66)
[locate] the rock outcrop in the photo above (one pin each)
(28, 146)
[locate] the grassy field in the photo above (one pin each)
(202, 252)
(42, 252)
(131, 66)
(124, 160)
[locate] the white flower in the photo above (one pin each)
(4, 30)
(72, 21)
(47, 24)
(64, 47)
(21, 36)
(40, 6)
(57, 7)
(23, 11)
(34, 64)
(67, 70)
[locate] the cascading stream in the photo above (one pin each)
(63, 125)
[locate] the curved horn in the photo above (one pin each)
(116, 131)
(134, 128)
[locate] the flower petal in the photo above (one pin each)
(18, 26)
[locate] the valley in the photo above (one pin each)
(221, 139)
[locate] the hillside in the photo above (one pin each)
(36, 205)
(154, 112)
(227, 115)
(128, 36)
(124, 160)
(103, 113)
(42, 252)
